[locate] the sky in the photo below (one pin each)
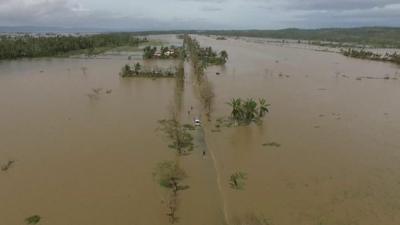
(199, 14)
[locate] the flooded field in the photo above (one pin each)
(84, 142)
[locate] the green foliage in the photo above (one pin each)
(247, 111)
(207, 96)
(137, 71)
(169, 175)
(171, 52)
(148, 52)
(237, 180)
(29, 46)
(33, 219)
(182, 139)
(363, 54)
(203, 57)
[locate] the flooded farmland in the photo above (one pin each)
(84, 142)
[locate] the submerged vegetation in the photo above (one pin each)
(248, 111)
(363, 54)
(35, 219)
(170, 175)
(182, 139)
(271, 144)
(171, 52)
(200, 58)
(237, 180)
(137, 71)
(251, 219)
(7, 165)
(203, 57)
(97, 92)
(29, 46)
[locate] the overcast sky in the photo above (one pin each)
(200, 14)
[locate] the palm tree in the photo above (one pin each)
(250, 109)
(237, 112)
(263, 107)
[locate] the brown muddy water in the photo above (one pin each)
(83, 158)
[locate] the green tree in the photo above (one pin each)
(137, 68)
(182, 140)
(263, 107)
(224, 56)
(169, 175)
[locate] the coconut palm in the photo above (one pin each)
(263, 107)
(237, 112)
(250, 109)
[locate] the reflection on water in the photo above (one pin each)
(79, 160)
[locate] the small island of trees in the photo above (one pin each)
(203, 57)
(171, 52)
(137, 71)
(363, 54)
(247, 111)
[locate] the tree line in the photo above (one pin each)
(382, 37)
(30, 46)
(363, 54)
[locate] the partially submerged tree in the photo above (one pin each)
(137, 71)
(207, 96)
(223, 55)
(182, 140)
(33, 219)
(148, 52)
(247, 111)
(237, 180)
(169, 175)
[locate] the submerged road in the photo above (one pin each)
(200, 137)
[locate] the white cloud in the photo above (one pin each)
(199, 14)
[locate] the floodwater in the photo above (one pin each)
(83, 158)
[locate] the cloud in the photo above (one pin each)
(338, 4)
(323, 4)
(207, 1)
(199, 14)
(209, 8)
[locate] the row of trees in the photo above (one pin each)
(203, 57)
(249, 110)
(200, 59)
(169, 174)
(213, 58)
(171, 52)
(363, 54)
(137, 71)
(29, 46)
